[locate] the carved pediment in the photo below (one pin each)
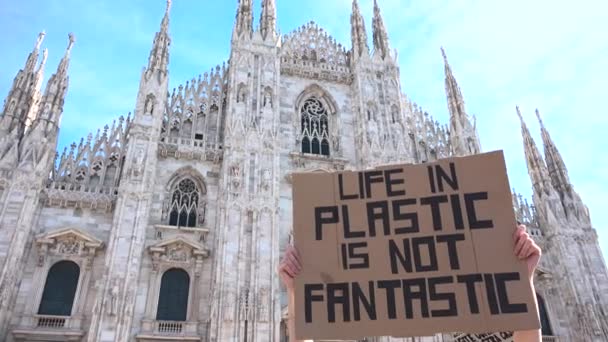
(69, 241)
(178, 249)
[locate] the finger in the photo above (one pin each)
(525, 251)
(294, 262)
(523, 227)
(294, 252)
(292, 267)
(292, 270)
(517, 233)
(285, 269)
(521, 242)
(535, 249)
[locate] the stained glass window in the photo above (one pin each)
(184, 204)
(315, 127)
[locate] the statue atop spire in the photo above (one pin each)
(159, 56)
(380, 35)
(268, 19)
(244, 20)
(358, 32)
(463, 133)
(555, 163)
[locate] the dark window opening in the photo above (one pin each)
(544, 317)
(173, 296)
(60, 289)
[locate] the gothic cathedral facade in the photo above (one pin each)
(169, 224)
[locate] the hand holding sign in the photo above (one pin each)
(411, 250)
(525, 249)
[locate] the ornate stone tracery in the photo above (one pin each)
(88, 173)
(310, 51)
(194, 111)
(315, 127)
(185, 204)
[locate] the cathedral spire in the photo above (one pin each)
(159, 56)
(380, 35)
(244, 20)
(536, 166)
(33, 57)
(20, 101)
(358, 33)
(463, 133)
(268, 19)
(555, 163)
(54, 95)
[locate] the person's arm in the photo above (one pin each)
(289, 268)
(526, 249)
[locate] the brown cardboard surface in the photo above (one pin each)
(484, 253)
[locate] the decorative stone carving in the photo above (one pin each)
(149, 105)
(244, 305)
(310, 49)
(177, 250)
(267, 98)
(235, 178)
(113, 298)
(263, 304)
(67, 243)
(266, 182)
(69, 246)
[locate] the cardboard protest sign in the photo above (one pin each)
(409, 250)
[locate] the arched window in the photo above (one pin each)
(60, 289)
(173, 296)
(184, 204)
(315, 127)
(544, 317)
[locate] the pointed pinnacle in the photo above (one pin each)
(540, 120)
(445, 57)
(521, 118)
(72, 39)
(45, 55)
(40, 39)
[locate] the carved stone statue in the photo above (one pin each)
(11, 107)
(68, 246)
(178, 252)
(242, 94)
(149, 107)
(267, 99)
(235, 178)
(113, 301)
(266, 180)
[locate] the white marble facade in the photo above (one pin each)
(197, 181)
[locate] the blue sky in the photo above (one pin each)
(544, 53)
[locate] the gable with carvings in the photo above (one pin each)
(69, 243)
(311, 52)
